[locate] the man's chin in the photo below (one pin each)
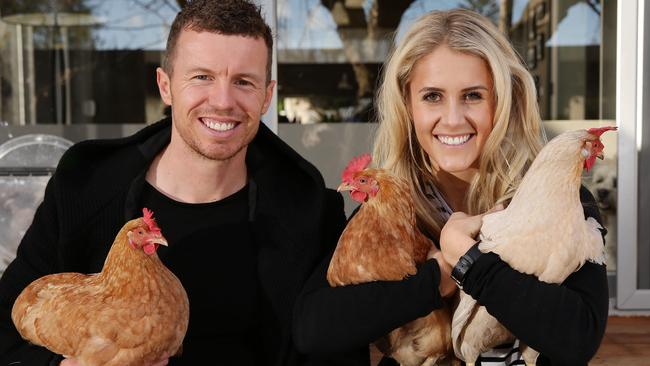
(221, 154)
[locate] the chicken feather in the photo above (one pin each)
(133, 312)
(542, 232)
(382, 242)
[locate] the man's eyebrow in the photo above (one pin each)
(198, 69)
(247, 75)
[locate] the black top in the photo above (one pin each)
(215, 237)
(565, 323)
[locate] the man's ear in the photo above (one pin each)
(268, 96)
(164, 85)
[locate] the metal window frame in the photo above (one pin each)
(631, 21)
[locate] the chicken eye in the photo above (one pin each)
(362, 180)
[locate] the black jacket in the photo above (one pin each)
(565, 323)
(94, 191)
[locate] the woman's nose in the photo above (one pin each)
(454, 114)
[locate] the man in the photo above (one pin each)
(246, 217)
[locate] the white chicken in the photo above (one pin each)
(548, 197)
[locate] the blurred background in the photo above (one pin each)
(71, 70)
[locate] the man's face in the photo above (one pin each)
(217, 90)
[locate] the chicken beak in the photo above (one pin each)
(344, 187)
(158, 240)
(600, 155)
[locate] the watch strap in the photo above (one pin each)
(459, 272)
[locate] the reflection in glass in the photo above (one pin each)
(81, 61)
(330, 53)
(25, 165)
(93, 61)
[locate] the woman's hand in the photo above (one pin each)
(73, 362)
(459, 234)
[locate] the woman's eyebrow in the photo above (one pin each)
(475, 88)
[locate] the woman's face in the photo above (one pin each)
(452, 104)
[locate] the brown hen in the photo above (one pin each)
(383, 243)
(134, 312)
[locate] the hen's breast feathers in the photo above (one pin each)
(70, 312)
(543, 228)
(381, 242)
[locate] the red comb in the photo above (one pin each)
(357, 164)
(149, 220)
(600, 130)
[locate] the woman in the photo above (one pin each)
(459, 121)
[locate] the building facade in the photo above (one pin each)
(77, 69)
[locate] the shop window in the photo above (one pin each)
(330, 53)
(82, 61)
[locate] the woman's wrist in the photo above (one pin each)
(465, 263)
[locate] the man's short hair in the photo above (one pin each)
(226, 17)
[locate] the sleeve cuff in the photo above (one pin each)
(475, 275)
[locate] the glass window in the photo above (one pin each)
(93, 61)
(330, 53)
(82, 61)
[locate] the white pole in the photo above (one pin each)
(270, 118)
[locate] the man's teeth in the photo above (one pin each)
(458, 140)
(220, 126)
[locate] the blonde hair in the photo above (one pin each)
(517, 134)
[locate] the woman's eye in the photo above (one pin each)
(432, 97)
(473, 96)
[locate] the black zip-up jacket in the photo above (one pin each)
(565, 323)
(95, 189)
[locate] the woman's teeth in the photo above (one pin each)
(453, 141)
(220, 126)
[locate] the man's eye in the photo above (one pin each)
(243, 82)
(201, 77)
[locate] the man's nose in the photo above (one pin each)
(220, 96)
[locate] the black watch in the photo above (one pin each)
(465, 263)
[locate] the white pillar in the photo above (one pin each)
(269, 10)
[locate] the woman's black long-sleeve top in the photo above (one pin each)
(565, 323)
